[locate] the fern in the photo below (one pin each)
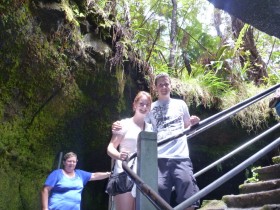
(239, 40)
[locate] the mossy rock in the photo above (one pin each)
(276, 160)
(213, 204)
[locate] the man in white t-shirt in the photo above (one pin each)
(170, 116)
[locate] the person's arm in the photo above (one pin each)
(45, 197)
(99, 175)
(113, 145)
(192, 120)
(116, 126)
(188, 120)
(187, 123)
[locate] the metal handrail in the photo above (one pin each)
(219, 117)
(59, 160)
(214, 185)
(236, 150)
(241, 104)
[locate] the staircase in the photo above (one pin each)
(261, 195)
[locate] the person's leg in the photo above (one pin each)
(164, 181)
(124, 201)
(185, 183)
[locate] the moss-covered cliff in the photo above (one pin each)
(62, 83)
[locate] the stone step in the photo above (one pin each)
(262, 195)
(259, 186)
(268, 172)
(253, 200)
(251, 208)
(220, 205)
(265, 207)
(213, 205)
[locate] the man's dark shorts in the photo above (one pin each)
(177, 173)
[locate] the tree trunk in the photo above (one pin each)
(256, 70)
(218, 22)
(187, 62)
(127, 15)
(173, 34)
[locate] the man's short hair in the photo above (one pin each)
(160, 75)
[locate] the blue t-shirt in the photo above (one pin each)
(66, 192)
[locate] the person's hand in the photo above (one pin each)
(116, 126)
(194, 120)
(123, 155)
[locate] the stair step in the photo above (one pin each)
(251, 208)
(213, 205)
(271, 207)
(259, 186)
(220, 205)
(252, 199)
(265, 207)
(268, 172)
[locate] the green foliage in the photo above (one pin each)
(255, 176)
(273, 77)
(268, 47)
(276, 160)
(11, 198)
(210, 81)
(239, 41)
(203, 87)
(28, 194)
(253, 117)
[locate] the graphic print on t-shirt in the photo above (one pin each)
(167, 121)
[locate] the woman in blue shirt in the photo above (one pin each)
(63, 187)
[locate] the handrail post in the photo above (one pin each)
(59, 160)
(147, 166)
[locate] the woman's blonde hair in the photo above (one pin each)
(139, 96)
